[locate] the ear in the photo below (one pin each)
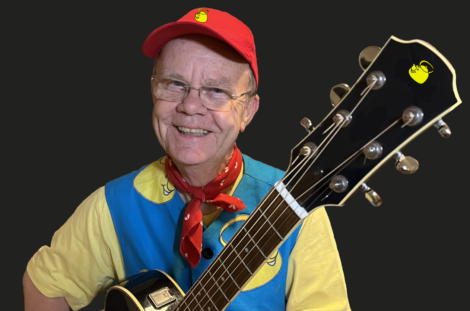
(250, 112)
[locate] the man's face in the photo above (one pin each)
(201, 61)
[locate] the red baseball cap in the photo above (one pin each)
(209, 22)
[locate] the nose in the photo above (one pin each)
(192, 103)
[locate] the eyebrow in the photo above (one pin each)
(175, 75)
(222, 82)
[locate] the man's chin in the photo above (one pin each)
(189, 156)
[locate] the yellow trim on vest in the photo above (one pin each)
(153, 184)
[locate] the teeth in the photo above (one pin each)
(196, 132)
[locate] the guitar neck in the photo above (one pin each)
(264, 231)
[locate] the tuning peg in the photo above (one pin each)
(367, 56)
(339, 184)
(373, 150)
(412, 116)
(307, 149)
(405, 164)
(307, 124)
(377, 78)
(443, 128)
(371, 195)
(338, 92)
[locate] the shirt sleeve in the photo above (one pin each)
(315, 279)
(84, 257)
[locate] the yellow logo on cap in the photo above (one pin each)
(421, 72)
(201, 15)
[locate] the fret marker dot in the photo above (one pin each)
(208, 308)
(222, 278)
(246, 249)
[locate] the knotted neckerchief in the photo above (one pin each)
(191, 235)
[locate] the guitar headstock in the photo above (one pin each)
(406, 87)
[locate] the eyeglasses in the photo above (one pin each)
(213, 98)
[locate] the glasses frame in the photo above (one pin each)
(188, 88)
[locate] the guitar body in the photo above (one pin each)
(149, 291)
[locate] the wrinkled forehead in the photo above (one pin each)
(191, 49)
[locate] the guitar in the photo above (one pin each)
(406, 87)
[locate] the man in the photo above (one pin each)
(177, 213)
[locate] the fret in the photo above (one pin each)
(280, 216)
(220, 289)
(226, 281)
(236, 253)
(186, 304)
(209, 297)
(265, 235)
(282, 238)
(254, 243)
(230, 275)
(197, 301)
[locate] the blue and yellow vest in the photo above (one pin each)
(147, 213)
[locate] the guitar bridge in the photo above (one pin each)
(162, 297)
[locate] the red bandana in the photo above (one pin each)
(191, 235)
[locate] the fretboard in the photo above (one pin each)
(264, 231)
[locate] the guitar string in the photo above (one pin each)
(349, 160)
(368, 88)
(317, 156)
(338, 126)
(244, 260)
(224, 249)
(326, 182)
(263, 212)
(352, 158)
(337, 130)
(304, 161)
(355, 155)
(357, 152)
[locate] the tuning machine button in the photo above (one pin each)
(373, 150)
(340, 116)
(443, 128)
(307, 124)
(308, 148)
(367, 56)
(412, 116)
(338, 92)
(405, 164)
(378, 78)
(339, 184)
(371, 195)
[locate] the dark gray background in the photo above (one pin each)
(76, 113)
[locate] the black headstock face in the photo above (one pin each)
(417, 75)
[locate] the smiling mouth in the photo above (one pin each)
(192, 132)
